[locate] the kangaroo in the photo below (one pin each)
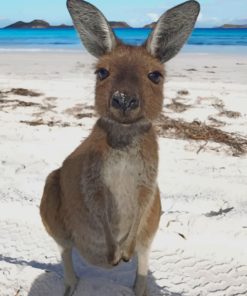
(104, 200)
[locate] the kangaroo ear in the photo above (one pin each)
(172, 30)
(94, 30)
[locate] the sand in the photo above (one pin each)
(200, 248)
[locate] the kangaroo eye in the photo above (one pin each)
(102, 73)
(155, 76)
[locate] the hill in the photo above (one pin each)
(115, 24)
(232, 26)
(35, 24)
(151, 26)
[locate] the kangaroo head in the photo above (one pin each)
(130, 79)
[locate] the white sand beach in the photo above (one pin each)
(46, 110)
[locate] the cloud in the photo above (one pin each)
(209, 22)
(239, 21)
(4, 22)
(153, 16)
(200, 17)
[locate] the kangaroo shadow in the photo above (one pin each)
(94, 281)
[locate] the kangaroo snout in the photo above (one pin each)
(124, 102)
(124, 107)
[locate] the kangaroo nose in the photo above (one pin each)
(124, 102)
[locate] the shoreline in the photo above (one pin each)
(187, 49)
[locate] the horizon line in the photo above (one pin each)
(71, 25)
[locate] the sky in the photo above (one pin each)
(135, 12)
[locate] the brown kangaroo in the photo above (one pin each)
(105, 200)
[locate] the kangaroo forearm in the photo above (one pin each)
(145, 196)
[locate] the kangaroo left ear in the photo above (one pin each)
(93, 28)
(172, 30)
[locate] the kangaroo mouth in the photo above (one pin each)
(125, 119)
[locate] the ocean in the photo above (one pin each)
(201, 40)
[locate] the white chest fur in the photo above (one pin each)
(123, 172)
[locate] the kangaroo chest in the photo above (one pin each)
(123, 173)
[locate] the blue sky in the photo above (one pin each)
(135, 12)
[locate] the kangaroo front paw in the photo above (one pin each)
(115, 255)
(128, 251)
(70, 288)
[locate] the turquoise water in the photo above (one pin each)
(67, 39)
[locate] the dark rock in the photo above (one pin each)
(119, 24)
(232, 26)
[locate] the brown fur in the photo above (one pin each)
(62, 207)
(74, 195)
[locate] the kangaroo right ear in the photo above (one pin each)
(172, 30)
(95, 31)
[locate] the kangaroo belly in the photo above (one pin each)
(121, 174)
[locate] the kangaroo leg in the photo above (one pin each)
(70, 278)
(140, 287)
(53, 222)
(146, 232)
